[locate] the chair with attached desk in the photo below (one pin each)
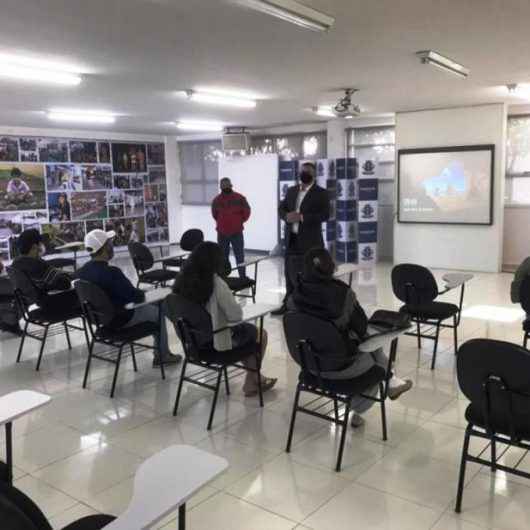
(416, 287)
(493, 375)
(193, 326)
(524, 297)
(47, 323)
(144, 262)
(238, 285)
(100, 313)
(188, 241)
(58, 263)
(318, 347)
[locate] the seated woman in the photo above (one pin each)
(321, 295)
(201, 282)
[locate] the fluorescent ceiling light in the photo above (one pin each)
(27, 69)
(81, 116)
(324, 110)
(206, 126)
(220, 99)
(291, 11)
(443, 63)
(519, 90)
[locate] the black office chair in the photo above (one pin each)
(143, 262)
(19, 512)
(240, 286)
(48, 323)
(100, 313)
(193, 325)
(318, 347)
(416, 287)
(188, 241)
(524, 297)
(493, 375)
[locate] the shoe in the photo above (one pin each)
(169, 358)
(357, 421)
(396, 391)
(280, 311)
(266, 384)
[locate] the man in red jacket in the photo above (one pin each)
(230, 211)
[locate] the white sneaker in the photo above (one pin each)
(397, 387)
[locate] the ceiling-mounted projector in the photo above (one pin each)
(345, 108)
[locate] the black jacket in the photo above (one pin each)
(315, 210)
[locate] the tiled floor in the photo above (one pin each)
(79, 455)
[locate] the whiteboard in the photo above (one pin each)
(256, 177)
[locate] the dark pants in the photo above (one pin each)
(294, 264)
(8, 311)
(238, 246)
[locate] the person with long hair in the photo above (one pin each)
(201, 282)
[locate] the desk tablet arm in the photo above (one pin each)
(380, 339)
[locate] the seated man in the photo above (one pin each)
(320, 294)
(121, 291)
(45, 278)
(520, 274)
(17, 190)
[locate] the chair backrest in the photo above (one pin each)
(193, 325)
(493, 375)
(191, 238)
(19, 512)
(97, 307)
(141, 256)
(13, 247)
(414, 284)
(26, 293)
(524, 295)
(315, 344)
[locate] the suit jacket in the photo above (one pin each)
(315, 211)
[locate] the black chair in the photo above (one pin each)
(193, 325)
(47, 323)
(238, 285)
(493, 375)
(19, 512)
(143, 262)
(524, 297)
(416, 287)
(317, 346)
(99, 314)
(188, 241)
(58, 263)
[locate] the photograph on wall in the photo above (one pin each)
(94, 225)
(59, 207)
(162, 193)
(129, 158)
(161, 214)
(28, 149)
(22, 187)
(57, 234)
(115, 196)
(137, 181)
(4, 249)
(63, 177)
(134, 203)
(152, 236)
(104, 152)
(151, 193)
(122, 182)
(157, 175)
(116, 210)
(96, 177)
(127, 230)
(83, 152)
(11, 224)
(164, 234)
(8, 149)
(88, 205)
(52, 150)
(155, 154)
(34, 219)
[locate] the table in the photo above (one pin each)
(153, 296)
(346, 269)
(165, 482)
(13, 406)
(456, 279)
(379, 339)
(75, 247)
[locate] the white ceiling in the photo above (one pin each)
(137, 53)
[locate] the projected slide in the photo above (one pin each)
(446, 185)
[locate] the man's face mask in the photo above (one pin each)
(306, 177)
(226, 188)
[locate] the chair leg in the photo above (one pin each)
(227, 386)
(133, 355)
(22, 340)
(343, 435)
(179, 390)
(85, 332)
(336, 409)
(116, 370)
(418, 331)
(260, 389)
(67, 333)
(214, 403)
(382, 394)
(293, 419)
(436, 337)
(525, 342)
(455, 333)
(493, 455)
(88, 363)
(462, 475)
(41, 351)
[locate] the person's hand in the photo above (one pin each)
(293, 217)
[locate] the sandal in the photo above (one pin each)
(266, 384)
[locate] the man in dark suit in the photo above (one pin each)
(304, 209)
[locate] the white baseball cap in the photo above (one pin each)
(95, 239)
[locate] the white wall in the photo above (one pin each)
(199, 217)
(516, 237)
(445, 246)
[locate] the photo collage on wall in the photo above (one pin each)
(67, 187)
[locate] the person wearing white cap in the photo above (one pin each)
(121, 291)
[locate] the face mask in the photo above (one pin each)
(306, 177)
(226, 190)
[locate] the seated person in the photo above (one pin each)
(320, 294)
(201, 282)
(17, 190)
(45, 278)
(121, 292)
(9, 317)
(520, 274)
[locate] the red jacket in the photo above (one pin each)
(230, 210)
